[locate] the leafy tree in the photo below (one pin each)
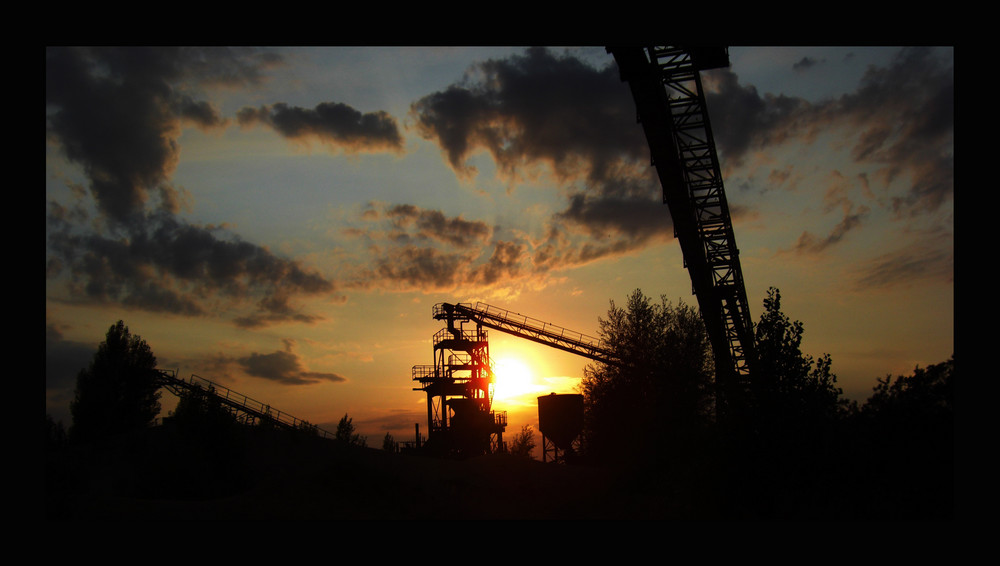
(523, 442)
(388, 443)
(927, 393)
(345, 433)
(662, 396)
(201, 411)
(119, 391)
(792, 394)
(912, 413)
(908, 443)
(308, 428)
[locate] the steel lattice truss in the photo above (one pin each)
(670, 102)
(533, 329)
(246, 410)
(459, 388)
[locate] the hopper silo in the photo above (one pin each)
(560, 420)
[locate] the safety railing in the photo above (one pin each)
(523, 322)
(530, 328)
(239, 402)
(444, 335)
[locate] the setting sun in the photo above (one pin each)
(513, 378)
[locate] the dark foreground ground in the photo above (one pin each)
(160, 475)
(277, 478)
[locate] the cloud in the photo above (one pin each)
(837, 196)
(748, 120)
(805, 64)
(330, 123)
(899, 122)
(413, 248)
(504, 265)
(284, 366)
(808, 243)
(117, 112)
(164, 265)
(532, 109)
(433, 224)
(540, 112)
(926, 260)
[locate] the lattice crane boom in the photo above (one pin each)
(531, 329)
(670, 102)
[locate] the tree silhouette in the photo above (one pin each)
(791, 392)
(912, 414)
(907, 441)
(926, 394)
(523, 442)
(201, 411)
(389, 443)
(662, 396)
(345, 433)
(119, 391)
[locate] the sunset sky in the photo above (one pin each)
(282, 220)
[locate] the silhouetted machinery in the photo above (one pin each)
(459, 385)
(670, 104)
(245, 410)
(560, 420)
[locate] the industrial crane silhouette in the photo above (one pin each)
(459, 385)
(670, 102)
(670, 105)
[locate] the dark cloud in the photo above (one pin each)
(331, 123)
(117, 112)
(900, 121)
(542, 110)
(505, 264)
(534, 109)
(284, 366)
(199, 112)
(169, 266)
(412, 267)
(809, 243)
(415, 248)
(744, 120)
(273, 309)
(602, 217)
(433, 224)
(805, 64)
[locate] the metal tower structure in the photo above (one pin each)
(459, 387)
(459, 384)
(670, 102)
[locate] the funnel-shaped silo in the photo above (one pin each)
(560, 418)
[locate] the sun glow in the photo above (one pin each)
(513, 378)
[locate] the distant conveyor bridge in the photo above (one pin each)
(246, 409)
